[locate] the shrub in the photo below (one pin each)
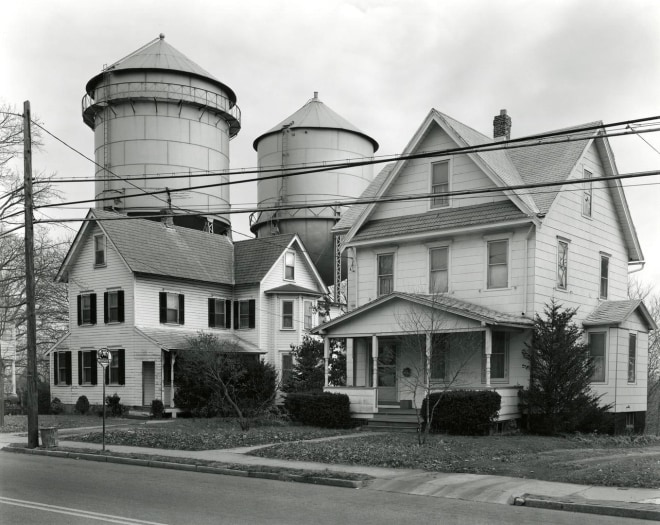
(319, 409)
(82, 405)
(464, 412)
(157, 409)
(116, 408)
(96, 409)
(56, 406)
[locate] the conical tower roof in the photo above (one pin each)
(159, 55)
(315, 114)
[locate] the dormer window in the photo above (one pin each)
(99, 250)
(289, 266)
(440, 184)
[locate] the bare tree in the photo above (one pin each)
(441, 357)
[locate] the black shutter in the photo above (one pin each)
(56, 368)
(105, 307)
(68, 367)
(237, 319)
(122, 361)
(211, 312)
(182, 302)
(92, 300)
(227, 313)
(93, 365)
(251, 310)
(79, 310)
(120, 306)
(162, 301)
(80, 362)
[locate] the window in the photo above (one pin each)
(630, 421)
(287, 315)
(498, 264)
(597, 353)
(219, 313)
(632, 357)
(439, 270)
(244, 314)
(87, 309)
(289, 266)
(308, 313)
(287, 368)
(62, 368)
(440, 184)
(604, 275)
(115, 372)
(439, 356)
(385, 273)
(499, 357)
(587, 194)
(562, 265)
(99, 250)
(87, 367)
(171, 307)
(113, 306)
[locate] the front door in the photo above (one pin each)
(148, 382)
(387, 389)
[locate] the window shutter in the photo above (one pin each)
(56, 368)
(80, 361)
(181, 308)
(251, 310)
(92, 300)
(122, 364)
(237, 320)
(120, 305)
(211, 312)
(68, 367)
(105, 307)
(162, 302)
(227, 313)
(94, 366)
(79, 310)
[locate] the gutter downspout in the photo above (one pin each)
(525, 281)
(641, 267)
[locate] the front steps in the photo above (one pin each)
(391, 419)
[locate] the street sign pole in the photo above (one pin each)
(104, 357)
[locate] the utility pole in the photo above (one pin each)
(33, 410)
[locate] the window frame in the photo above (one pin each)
(219, 313)
(87, 372)
(445, 201)
(489, 243)
(506, 344)
(432, 271)
(287, 316)
(308, 316)
(594, 378)
(632, 357)
(165, 307)
(62, 367)
(587, 193)
(100, 237)
(380, 278)
(89, 308)
(604, 279)
(113, 366)
(107, 298)
(239, 315)
(558, 283)
(289, 266)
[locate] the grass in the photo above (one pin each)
(602, 460)
(19, 423)
(207, 434)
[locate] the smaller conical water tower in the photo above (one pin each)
(162, 123)
(312, 135)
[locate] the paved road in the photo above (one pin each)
(37, 489)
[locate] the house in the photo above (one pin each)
(465, 270)
(142, 288)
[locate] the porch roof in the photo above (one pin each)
(293, 289)
(179, 339)
(440, 302)
(616, 312)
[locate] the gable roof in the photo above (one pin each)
(616, 312)
(439, 302)
(254, 257)
(149, 247)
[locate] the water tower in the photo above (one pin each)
(314, 134)
(157, 114)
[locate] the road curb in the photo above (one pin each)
(603, 508)
(315, 480)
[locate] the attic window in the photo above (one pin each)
(289, 266)
(587, 194)
(99, 250)
(440, 184)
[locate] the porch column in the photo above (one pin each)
(488, 350)
(374, 359)
(350, 373)
(428, 349)
(172, 359)
(13, 376)
(326, 358)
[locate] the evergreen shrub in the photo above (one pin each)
(82, 405)
(56, 406)
(463, 412)
(319, 409)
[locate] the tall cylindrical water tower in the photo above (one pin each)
(314, 134)
(161, 122)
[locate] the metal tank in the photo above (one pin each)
(155, 113)
(312, 135)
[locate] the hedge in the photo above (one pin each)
(319, 409)
(465, 412)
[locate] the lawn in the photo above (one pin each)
(19, 423)
(609, 461)
(207, 434)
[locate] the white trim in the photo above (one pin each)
(606, 333)
(382, 253)
(428, 267)
(449, 163)
(285, 266)
(498, 238)
(293, 314)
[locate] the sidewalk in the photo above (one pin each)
(613, 501)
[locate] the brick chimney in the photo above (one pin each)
(502, 126)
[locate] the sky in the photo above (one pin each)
(381, 64)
